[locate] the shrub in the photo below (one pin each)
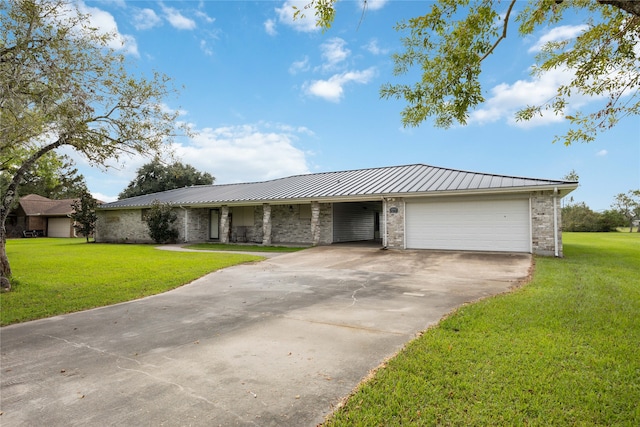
(160, 219)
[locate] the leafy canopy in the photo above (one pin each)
(84, 214)
(156, 176)
(61, 84)
(452, 40)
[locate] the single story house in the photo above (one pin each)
(40, 216)
(400, 207)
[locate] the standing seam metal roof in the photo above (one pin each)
(388, 181)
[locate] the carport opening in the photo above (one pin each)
(357, 222)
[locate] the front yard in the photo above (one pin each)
(56, 276)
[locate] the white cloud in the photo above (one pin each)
(246, 153)
(105, 23)
(506, 99)
(270, 27)
(372, 47)
(602, 153)
(204, 46)
(334, 52)
(202, 15)
(557, 34)
(104, 197)
(144, 19)
(333, 88)
(305, 23)
(177, 19)
(299, 66)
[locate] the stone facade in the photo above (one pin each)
(542, 224)
(304, 224)
(394, 211)
(122, 226)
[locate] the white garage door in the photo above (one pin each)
(58, 227)
(475, 225)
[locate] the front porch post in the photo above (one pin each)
(315, 223)
(266, 224)
(224, 224)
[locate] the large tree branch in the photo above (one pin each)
(504, 31)
(631, 6)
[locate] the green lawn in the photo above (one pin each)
(562, 350)
(55, 276)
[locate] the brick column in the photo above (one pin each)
(266, 224)
(224, 224)
(315, 223)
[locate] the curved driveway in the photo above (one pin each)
(279, 342)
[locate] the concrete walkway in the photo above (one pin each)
(274, 343)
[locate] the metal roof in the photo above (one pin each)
(361, 184)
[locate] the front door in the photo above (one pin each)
(214, 224)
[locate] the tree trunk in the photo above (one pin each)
(6, 204)
(5, 268)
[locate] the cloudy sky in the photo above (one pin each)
(269, 96)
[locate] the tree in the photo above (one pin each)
(155, 177)
(629, 206)
(62, 85)
(571, 176)
(452, 41)
(84, 214)
(53, 176)
(579, 217)
(160, 219)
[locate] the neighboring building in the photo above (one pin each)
(39, 216)
(402, 207)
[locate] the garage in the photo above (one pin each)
(356, 221)
(59, 227)
(473, 224)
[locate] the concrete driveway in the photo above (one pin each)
(274, 343)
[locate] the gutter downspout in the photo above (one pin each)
(186, 227)
(555, 221)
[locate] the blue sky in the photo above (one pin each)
(271, 97)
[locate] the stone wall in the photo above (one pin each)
(542, 223)
(121, 226)
(197, 225)
(394, 212)
(288, 225)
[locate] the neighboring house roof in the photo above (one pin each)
(34, 205)
(399, 181)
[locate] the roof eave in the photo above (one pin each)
(562, 189)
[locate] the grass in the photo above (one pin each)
(562, 350)
(56, 276)
(242, 248)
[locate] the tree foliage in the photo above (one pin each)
(579, 217)
(453, 39)
(84, 214)
(62, 85)
(160, 219)
(53, 176)
(628, 205)
(156, 176)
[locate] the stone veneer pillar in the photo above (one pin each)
(315, 223)
(394, 222)
(266, 224)
(224, 224)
